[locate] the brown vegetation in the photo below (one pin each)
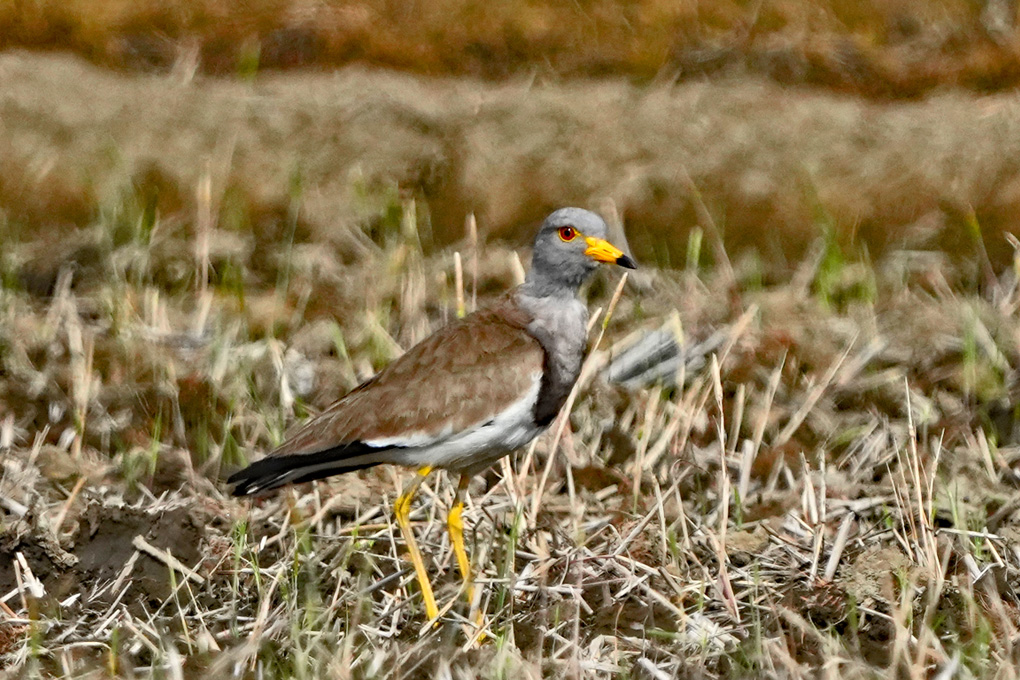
(829, 483)
(321, 158)
(902, 48)
(824, 483)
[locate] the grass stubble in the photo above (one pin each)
(821, 483)
(826, 486)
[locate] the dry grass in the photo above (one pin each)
(826, 485)
(822, 484)
(878, 48)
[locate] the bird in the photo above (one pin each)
(472, 392)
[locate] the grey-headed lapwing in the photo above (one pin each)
(465, 396)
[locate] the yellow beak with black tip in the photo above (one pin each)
(601, 250)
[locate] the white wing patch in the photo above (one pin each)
(500, 434)
(412, 439)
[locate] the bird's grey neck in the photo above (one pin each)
(537, 285)
(560, 327)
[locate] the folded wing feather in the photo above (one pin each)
(459, 378)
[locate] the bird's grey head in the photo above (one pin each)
(568, 247)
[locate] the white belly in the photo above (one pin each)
(477, 446)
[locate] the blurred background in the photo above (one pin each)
(874, 124)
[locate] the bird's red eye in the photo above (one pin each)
(568, 233)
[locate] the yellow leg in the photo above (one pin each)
(402, 510)
(456, 527)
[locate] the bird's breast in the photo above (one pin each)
(561, 329)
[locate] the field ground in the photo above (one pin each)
(826, 488)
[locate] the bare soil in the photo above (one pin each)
(100, 549)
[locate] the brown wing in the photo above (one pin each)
(461, 375)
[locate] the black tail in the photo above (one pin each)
(276, 471)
